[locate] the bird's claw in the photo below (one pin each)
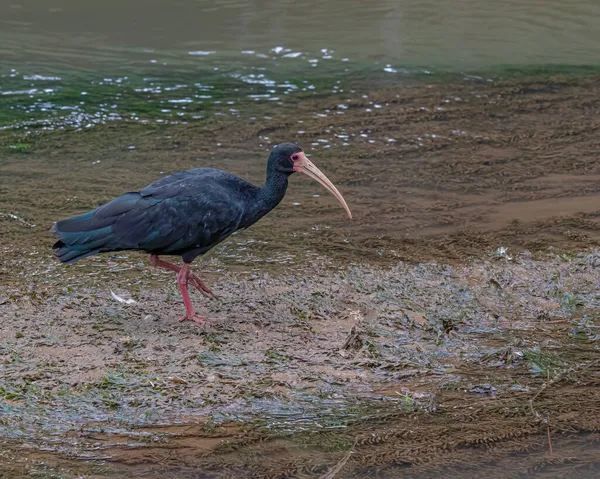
(201, 287)
(197, 318)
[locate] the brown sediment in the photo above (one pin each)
(423, 367)
(473, 166)
(404, 335)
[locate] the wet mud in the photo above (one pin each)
(431, 172)
(424, 369)
(402, 343)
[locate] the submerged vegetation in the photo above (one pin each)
(34, 103)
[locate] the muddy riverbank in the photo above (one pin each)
(433, 172)
(401, 342)
(419, 368)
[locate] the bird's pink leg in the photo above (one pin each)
(182, 279)
(196, 282)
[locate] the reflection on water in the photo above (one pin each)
(470, 33)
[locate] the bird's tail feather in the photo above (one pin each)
(81, 236)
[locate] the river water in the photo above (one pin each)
(69, 63)
(405, 33)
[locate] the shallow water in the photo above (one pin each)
(432, 33)
(186, 60)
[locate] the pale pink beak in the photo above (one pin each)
(304, 165)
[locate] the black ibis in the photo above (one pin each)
(184, 214)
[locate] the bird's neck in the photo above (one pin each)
(266, 197)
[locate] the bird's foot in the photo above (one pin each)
(192, 278)
(197, 318)
(197, 283)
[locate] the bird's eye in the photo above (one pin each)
(295, 157)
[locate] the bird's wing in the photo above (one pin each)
(190, 177)
(192, 210)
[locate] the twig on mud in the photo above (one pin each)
(548, 421)
(10, 216)
(520, 323)
(556, 379)
(548, 434)
(338, 467)
(549, 382)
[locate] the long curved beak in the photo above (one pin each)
(304, 165)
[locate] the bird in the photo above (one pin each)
(184, 214)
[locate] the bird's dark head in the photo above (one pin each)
(288, 158)
(283, 156)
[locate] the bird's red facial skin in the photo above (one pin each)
(299, 160)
